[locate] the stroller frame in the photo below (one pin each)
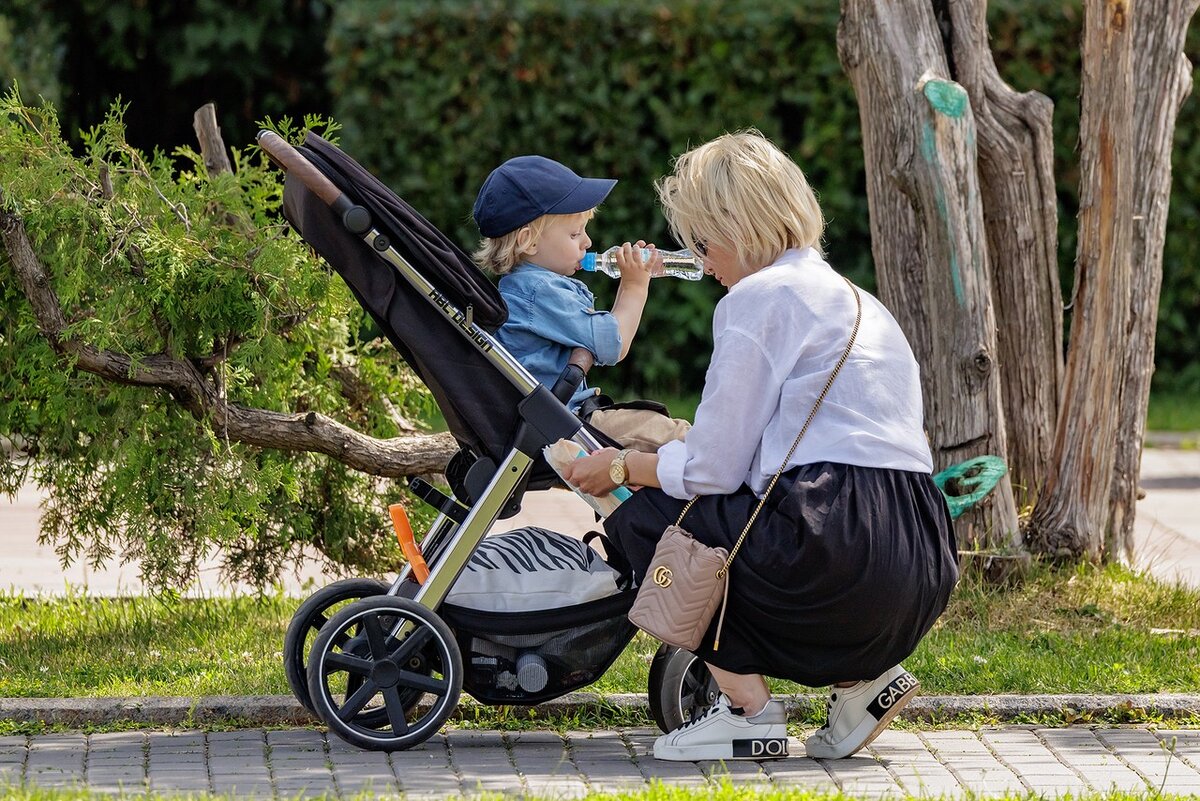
(399, 636)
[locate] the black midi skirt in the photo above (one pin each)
(845, 569)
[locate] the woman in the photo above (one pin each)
(852, 558)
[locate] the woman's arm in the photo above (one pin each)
(590, 473)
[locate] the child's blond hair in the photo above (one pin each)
(499, 255)
(744, 192)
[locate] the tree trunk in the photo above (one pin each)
(1162, 78)
(1020, 216)
(919, 137)
(1071, 514)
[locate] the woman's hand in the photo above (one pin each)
(590, 473)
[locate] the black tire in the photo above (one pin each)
(680, 687)
(308, 620)
(349, 672)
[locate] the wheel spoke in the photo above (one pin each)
(375, 636)
(341, 638)
(413, 643)
(357, 700)
(348, 663)
(318, 620)
(395, 711)
(419, 681)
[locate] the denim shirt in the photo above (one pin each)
(548, 316)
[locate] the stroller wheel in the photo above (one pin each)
(357, 663)
(308, 620)
(680, 687)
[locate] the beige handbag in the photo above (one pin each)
(686, 579)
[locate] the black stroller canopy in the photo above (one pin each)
(478, 402)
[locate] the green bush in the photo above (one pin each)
(434, 95)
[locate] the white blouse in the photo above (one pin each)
(777, 335)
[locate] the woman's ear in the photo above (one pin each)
(525, 243)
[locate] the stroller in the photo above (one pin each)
(386, 669)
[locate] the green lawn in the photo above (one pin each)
(721, 790)
(1086, 630)
(1173, 412)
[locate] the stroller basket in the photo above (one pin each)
(530, 657)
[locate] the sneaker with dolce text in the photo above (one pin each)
(859, 713)
(722, 732)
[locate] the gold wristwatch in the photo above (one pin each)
(618, 471)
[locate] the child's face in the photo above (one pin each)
(562, 244)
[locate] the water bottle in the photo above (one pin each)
(532, 675)
(676, 263)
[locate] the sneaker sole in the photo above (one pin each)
(756, 749)
(840, 751)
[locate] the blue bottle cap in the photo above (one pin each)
(588, 263)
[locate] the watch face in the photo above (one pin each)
(617, 471)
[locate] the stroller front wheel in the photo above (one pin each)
(308, 620)
(358, 661)
(680, 687)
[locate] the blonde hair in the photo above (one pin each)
(501, 254)
(743, 192)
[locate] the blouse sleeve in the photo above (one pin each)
(741, 394)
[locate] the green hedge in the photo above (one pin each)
(433, 95)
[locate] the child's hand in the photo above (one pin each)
(633, 269)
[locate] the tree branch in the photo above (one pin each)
(308, 432)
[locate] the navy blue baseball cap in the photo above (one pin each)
(524, 188)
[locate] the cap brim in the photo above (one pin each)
(588, 195)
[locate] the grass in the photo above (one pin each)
(1099, 630)
(722, 788)
(1173, 411)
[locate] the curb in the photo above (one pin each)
(279, 710)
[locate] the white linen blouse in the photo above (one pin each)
(777, 334)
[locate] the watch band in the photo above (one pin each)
(619, 468)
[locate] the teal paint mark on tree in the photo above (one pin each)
(946, 97)
(929, 152)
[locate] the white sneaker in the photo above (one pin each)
(858, 714)
(722, 733)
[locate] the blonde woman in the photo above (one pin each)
(853, 557)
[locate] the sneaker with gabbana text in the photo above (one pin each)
(859, 713)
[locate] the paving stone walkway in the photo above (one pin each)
(305, 762)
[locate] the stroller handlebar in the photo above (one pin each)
(290, 161)
(578, 364)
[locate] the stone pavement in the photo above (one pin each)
(297, 763)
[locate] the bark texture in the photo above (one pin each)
(310, 431)
(1020, 217)
(1072, 511)
(1162, 78)
(926, 220)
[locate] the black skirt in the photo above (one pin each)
(845, 569)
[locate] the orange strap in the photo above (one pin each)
(408, 543)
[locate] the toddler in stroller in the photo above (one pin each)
(385, 671)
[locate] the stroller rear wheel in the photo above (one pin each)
(681, 687)
(356, 663)
(308, 620)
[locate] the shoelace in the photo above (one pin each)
(829, 709)
(701, 716)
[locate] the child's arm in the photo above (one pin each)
(632, 292)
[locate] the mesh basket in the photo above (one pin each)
(528, 657)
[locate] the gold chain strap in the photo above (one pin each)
(837, 369)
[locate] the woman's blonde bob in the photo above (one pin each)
(743, 192)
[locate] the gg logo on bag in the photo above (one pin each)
(662, 576)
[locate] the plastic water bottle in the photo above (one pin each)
(532, 675)
(676, 263)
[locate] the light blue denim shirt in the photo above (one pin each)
(549, 315)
